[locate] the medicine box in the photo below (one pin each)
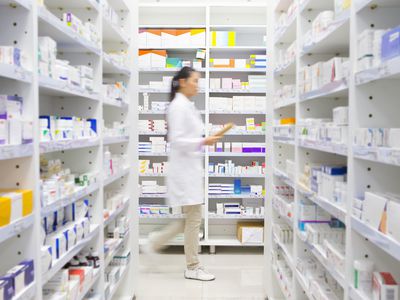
(250, 233)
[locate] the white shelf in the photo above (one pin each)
(333, 209)
(286, 33)
(245, 133)
(166, 216)
(284, 177)
(117, 212)
(11, 230)
(284, 140)
(151, 175)
(227, 241)
(386, 70)
(181, 49)
(116, 176)
(280, 283)
(332, 90)
(361, 4)
(289, 68)
(303, 284)
(112, 67)
(75, 4)
(153, 154)
(160, 91)
(238, 48)
(114, 288)
(220, 112)
(27, 293)
(152, 196)
(214, 216)
(61, 262)
(285, 103)
(380, 155)
(87, 287)
(387, 244)
(234, 196)
(15, 72)
(115, 103)
(173, 26)
(340, 149)
(233, 154)
(239, 70)
(355, 294)
(110, 255)
(55, 146)
(113, 33)
(153, 133)
(68, 40)
(18, 151)
(237, 91)
(115, 140)
(335, 39)
(67, 200)
(58, 88)
(288, 250)
(166, 70)
(236, 176)
(316, 251)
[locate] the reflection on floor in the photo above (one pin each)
(239, 275)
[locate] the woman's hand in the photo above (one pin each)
(211, 140)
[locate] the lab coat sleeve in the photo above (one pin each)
(179, 128)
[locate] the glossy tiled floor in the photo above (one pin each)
(239, 275)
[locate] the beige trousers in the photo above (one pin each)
(190, 226)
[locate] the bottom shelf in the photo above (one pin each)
(215, 241)
(114, 288)
(27, 293)
(86, 289)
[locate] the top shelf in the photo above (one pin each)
(24, 3)
(362, 4)
(74, 4)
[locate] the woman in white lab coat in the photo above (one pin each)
(185, 171)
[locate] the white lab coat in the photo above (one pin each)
(185, 174)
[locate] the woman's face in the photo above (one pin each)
(189, 87)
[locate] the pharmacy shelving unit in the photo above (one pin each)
(363, 92)
(23, 22)
(248, 19)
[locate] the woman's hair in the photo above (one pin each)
(184, 73)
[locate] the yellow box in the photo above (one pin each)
(5, 210)
(288, 121)
(27, 199)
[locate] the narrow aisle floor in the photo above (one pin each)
(239, 275)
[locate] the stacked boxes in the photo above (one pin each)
(87, 30)
(229, 168)
(322, 73)
(152, 125)
(156, 145)
(235, 147)
(235, 188)
(145, 167)
(150, 187)
(238, 104)
(50, 66)
(54, 128)
(14, 129)
(154, 209)
(116, 91)
(254, 61)
(167, 38)
(13, 56)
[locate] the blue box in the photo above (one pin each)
(390, 47)
(237, 186)
(7, 287)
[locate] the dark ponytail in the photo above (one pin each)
(184, 73)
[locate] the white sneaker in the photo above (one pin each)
(199, 274)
